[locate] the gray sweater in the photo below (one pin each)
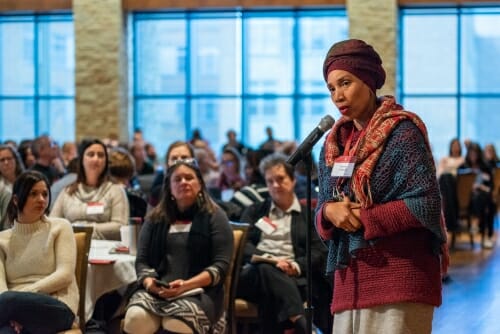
(105, 208)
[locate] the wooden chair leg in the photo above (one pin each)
(471, 233)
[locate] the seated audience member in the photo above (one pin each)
(38, 290)
(11, 142)
(93, 199)
(68, 152)
(270, 144)
(151, 154)
(5, 195)
(142, 165)
(11, 166)
(26, 153)
(175, 151)
(46, 153)
(197, 141)
(68, 178)
(276, 281)
(301, 177)
(490, 156)
(187, 243)
(234, 143)
(254, 192)
(122, 170)
(482, 207)
(230, 179)
(210, 176)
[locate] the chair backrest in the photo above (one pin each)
(496, 185)
(83, 237)
(146, 181)
(464, 191)
(231, 281)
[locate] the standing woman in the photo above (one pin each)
(38, 291)
(186, 242)
(93, 199)
(450, 163)
(379, 203)
(11, 166)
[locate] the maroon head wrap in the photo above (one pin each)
(357, 58)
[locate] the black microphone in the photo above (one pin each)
(306, 146)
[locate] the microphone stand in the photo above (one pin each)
(308, 162)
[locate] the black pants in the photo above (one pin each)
(482, 206)
(36, 312)
(448, 188)
(278, 295)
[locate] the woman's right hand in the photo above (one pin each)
(151, 287)
(343, 215)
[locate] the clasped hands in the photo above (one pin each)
(345, 214)
(175, 288)
(287, 267)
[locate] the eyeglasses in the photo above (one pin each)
(227, 162)
(187, 161)
(6, 159)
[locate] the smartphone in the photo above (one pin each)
(162, 283)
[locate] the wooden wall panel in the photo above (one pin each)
(447, 2)
(128, 5)
(35, 5)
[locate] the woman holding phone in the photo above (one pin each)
(183, 255)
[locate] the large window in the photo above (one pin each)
(37, 76)
(241, 70)
(451, 72)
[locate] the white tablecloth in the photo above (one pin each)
(102, 278)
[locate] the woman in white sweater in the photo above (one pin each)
(93, 199)
(38, 291)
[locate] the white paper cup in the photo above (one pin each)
(125, 236)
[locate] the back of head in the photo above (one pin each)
(121, 164)
(38, 144)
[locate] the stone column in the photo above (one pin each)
(100, 70)
(376, 22)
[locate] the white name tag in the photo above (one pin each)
(95, 208)
(266, 225)
(343, 166)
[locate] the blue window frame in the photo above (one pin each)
(37, 76)
(241, 70)
(450, 72)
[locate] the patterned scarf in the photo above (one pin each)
(371, 146)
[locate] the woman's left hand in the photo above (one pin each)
(175, 288)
